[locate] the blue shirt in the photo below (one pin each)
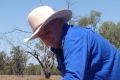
(86, 55)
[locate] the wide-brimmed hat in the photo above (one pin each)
(42, 15)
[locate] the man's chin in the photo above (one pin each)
(56, 46)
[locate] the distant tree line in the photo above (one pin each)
(16, 64)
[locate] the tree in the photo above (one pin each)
(93, 19)
(44, 56)
(111, 31)
(19, 60)
(8, 66)
(33, 69)
(84, 21)
(2, 62)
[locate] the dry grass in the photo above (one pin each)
(27, 77)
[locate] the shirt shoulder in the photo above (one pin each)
(74, 31)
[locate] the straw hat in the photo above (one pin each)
(42, 15)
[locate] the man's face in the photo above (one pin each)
(51, 34)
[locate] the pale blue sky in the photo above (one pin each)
(13, 13)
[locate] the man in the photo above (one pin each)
(82, 54)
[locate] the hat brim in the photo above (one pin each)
(65, 15)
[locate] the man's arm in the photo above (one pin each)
(75, 56)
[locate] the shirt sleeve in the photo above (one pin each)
(75, 58)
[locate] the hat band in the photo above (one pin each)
(37, 27)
